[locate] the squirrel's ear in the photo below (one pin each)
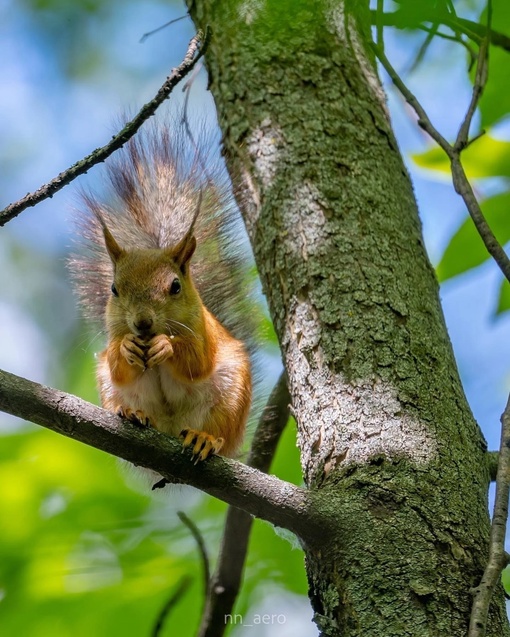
(183, 252)
(114, 250)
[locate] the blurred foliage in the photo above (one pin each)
(486, 158)
(466, 249)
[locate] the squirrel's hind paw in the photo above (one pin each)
(135, 416)
(204, 445)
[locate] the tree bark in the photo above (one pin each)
(383, 423)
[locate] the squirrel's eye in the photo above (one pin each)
(175, 288)
(114, 290)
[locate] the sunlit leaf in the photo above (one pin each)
(486, 157)
(466, 249)
(505, 576)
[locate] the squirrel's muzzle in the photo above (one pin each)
(143, 325)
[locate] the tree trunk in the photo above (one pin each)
(383, 424)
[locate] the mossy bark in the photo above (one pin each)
(384, 427)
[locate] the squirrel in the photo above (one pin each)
(162, 270)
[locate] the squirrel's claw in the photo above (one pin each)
(204, 444)
(135, 416)
(159, 349)
(132, 350)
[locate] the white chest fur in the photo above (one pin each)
(171, 404)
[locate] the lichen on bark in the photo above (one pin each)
(384, 427)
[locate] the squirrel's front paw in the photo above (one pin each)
(132, 348)
(159, 348)
(135, 416)
(204, 445)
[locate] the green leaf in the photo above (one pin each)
(504, 297)
(466, 249)
(505, 576)
(486, 157)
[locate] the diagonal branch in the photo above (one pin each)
(423, 119)
(234, 545)
(186, 581)
(170, 604)
(459, 177)
(479, 83)
(498, 559)
(196, 49)
(202, 550)
(267, 497)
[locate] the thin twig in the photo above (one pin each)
(379, 24)
(498, 559)
(478, 86)
(199, 539)
(163, 26)
(424, 47)
(185, 122)
(464, 189)
(459, 177)
(423, 119)
(196, 49)
(175, 598)
(453, 38)
(227, 577)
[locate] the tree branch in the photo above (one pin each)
(202, 550)
(497, 557)
(226, 580)
(459, 177)
(267, 497)
(423, 119)
(170, 604)
(185, 582)
(478, 86)
(193, 54)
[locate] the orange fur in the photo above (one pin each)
(169, 361)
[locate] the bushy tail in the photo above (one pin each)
(153, 188)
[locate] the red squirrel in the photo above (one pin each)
(154, 251)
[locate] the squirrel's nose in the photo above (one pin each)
(143, 325)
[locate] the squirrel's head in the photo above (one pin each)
(152, 289)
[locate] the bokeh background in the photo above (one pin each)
(84, 548)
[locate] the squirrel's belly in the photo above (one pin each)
(169, 404)
(144, 394)
(189, 403)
